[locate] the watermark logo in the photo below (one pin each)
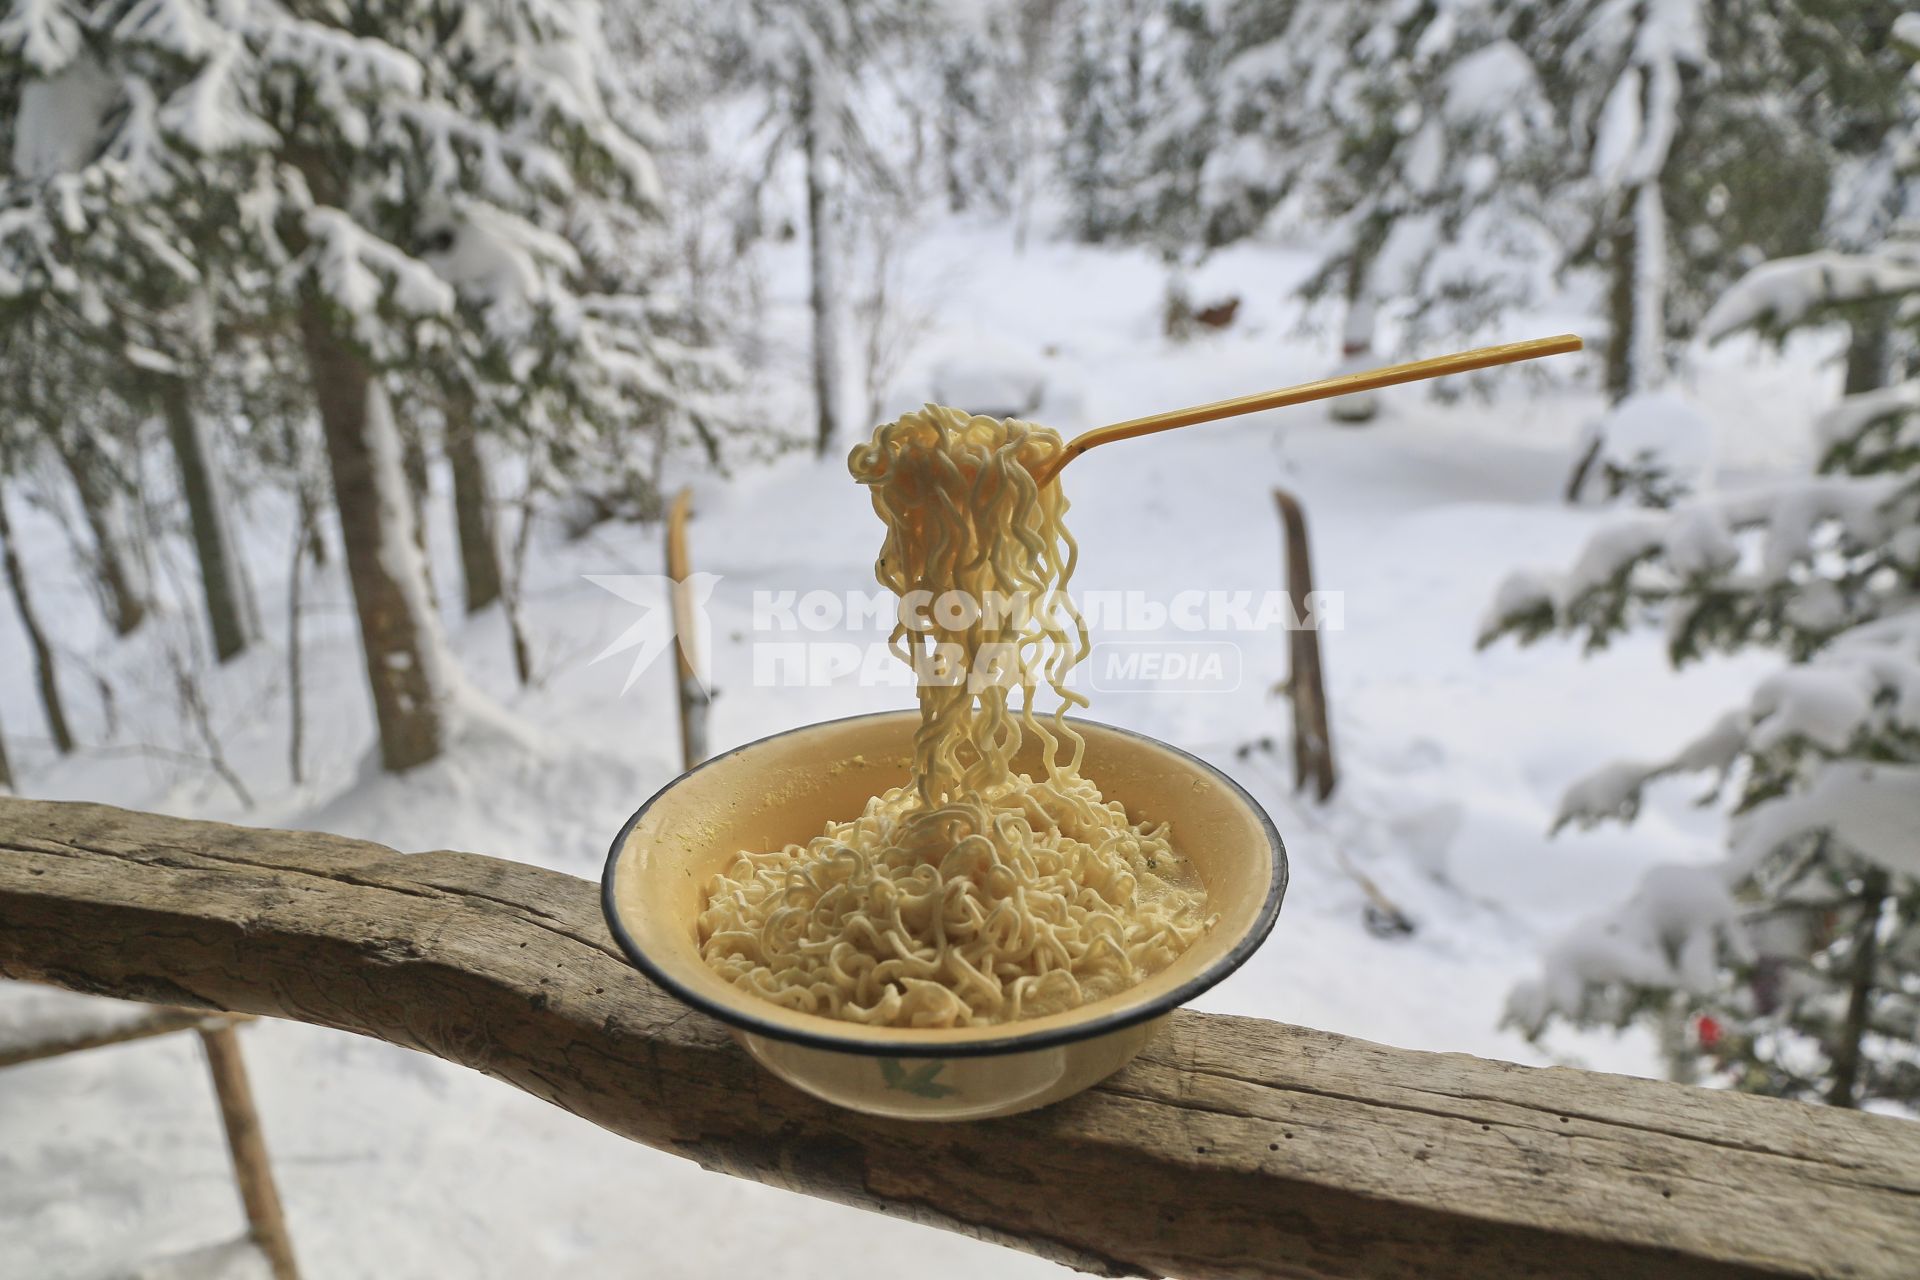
(873, 639)
(1102, 610)
(1164, 666)
(654, 630)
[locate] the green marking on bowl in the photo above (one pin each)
(919, 1081)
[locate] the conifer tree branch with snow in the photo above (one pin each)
(1413, 136)
(422, 200)
(808, 57)
(1797, 956)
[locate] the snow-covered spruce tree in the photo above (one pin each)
(1688, 157)
(1436, 131)
(1413, 131)
(992, 125)
(366, 149)
(13, 445)
(99, 286)
(1135, 117)
(60, 405)
(1851, 78)
(1695, 150)
(56, 397)
(1795, 962)
(102, 288)
(806, 58)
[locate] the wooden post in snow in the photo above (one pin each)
(1312, 735)
(267, 1224)
(252, 1174)
(692, 695)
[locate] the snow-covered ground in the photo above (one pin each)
(396, 1165)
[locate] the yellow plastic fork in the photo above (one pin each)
(1324, 389)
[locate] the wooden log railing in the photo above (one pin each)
(1231, 1147)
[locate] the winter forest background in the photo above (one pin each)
(343, 340)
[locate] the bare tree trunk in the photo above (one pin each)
(398, 629)
(121, 583)
(1870, 352)
(220, 568)
(824, 285)
(1356, 337)
(1636, 292)
(1629, 349)
(472, 508)
(1620, 309)
(1845, 1089)
(6, 765)
(296, 694)
(1647, 355)
(522, 539)
(43, 668)
(946, 125)
(413, 455)
(694, 700)
(1679, 1042)
(1582, 467)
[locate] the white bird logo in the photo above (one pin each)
(653, 631)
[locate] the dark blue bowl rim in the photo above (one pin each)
(1238, 955)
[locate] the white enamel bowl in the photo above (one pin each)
(786, 789)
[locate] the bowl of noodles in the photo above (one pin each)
(785, 790)
(972, 908)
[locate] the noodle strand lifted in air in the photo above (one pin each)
(975, 895)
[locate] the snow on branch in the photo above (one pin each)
(1613, 792)
(336, 61)
(504, 266)
(1862, 690)
(1871, 430)
(1668, 935)
(42, 34)
(1830, 746)
(180, 28)
(557, 83)
(1777, 295)
(1867, 807)
(369, 280)
(1738, 554)
(210, 115)
(462, 152)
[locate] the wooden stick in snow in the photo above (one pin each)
(692, 695)
(1312, 734)
(266, 1221)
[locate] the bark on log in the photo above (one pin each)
(1232, 1147)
